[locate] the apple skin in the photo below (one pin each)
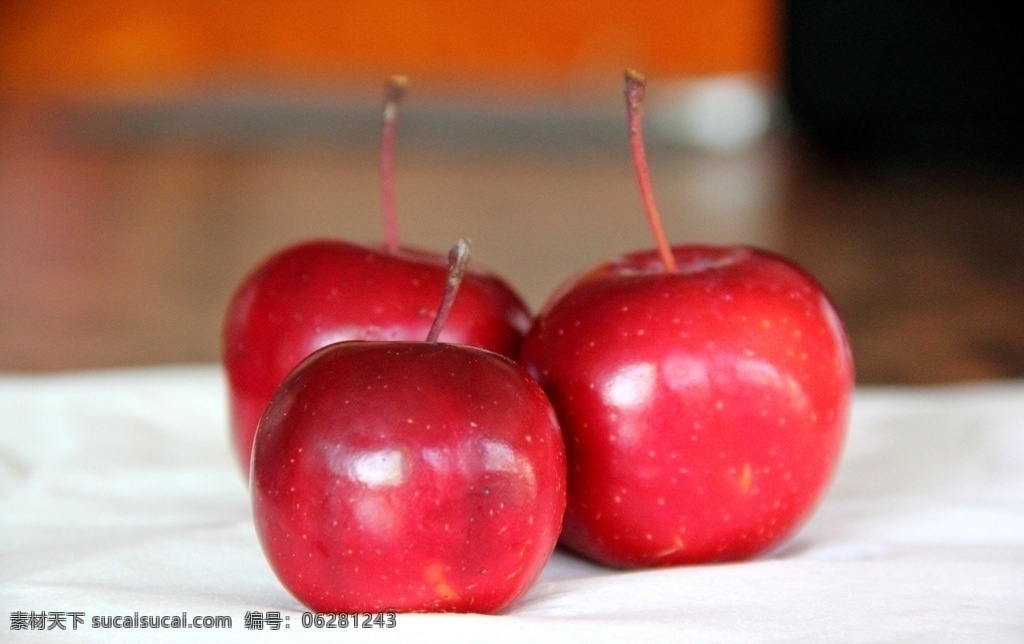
(704, 411)
(318, 292)
(408, 476)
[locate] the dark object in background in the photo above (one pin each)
(908, 80)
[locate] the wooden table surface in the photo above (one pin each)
(125, 227)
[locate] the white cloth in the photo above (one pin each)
(118, 494)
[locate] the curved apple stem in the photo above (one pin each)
(635, 86)
(458, 257)
(393, 94)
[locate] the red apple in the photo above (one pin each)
(703, 392)
(323, 291)
(408, 476)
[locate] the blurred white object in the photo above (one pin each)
(717, 113)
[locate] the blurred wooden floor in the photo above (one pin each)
(123, 230)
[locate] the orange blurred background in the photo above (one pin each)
(55, 47)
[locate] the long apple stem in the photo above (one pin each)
(393, 94)
(635, 86)
(458, 256)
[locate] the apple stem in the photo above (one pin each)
(393, 94)
(635, 86)
(458, 256)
